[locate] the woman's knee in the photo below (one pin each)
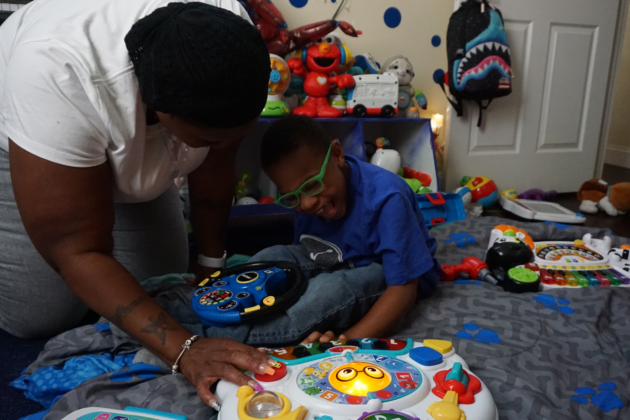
(47, 319)
(45, 327)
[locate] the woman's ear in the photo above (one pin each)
(337, 153)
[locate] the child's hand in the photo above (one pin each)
(322, 338)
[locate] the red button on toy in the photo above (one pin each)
(280, 373)
(354, 399)
(394, 344)
(532, 266)
(384, 395)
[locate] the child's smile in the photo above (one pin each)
(290, 173)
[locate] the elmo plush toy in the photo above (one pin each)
(317, 62)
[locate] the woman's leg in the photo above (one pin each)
(150, 239)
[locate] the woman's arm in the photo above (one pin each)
(211, 188)
(68, 214)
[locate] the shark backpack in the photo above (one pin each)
(479, 64)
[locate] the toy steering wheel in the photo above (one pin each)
(248, 292)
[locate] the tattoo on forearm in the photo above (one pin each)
(123, 311)
(158, 326)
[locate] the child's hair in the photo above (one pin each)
(287, 135)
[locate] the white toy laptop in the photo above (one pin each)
(540, 210)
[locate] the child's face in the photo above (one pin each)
(291, 172)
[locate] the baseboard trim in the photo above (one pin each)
(618, 156)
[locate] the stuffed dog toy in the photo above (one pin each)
(596, 194)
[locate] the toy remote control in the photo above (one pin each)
(247, 292)
(364, 379)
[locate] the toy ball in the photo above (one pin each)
(484, 190)
(246, 201)
(387, 159)
(266, 200)
(264, 405)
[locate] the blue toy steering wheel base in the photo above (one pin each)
(248, 292)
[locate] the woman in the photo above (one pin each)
(104, 106)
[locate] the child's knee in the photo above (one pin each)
(366, 279)
(274, 253)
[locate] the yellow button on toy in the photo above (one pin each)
(579, 242)
(215, 274)
(441, 346)
(269, 300)
(203, 283)
(253, 308)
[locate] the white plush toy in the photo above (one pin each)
(402, 68)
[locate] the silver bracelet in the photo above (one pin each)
(212, 262)
(185, 346)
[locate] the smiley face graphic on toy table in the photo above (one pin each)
(352, 378)
(359, 378)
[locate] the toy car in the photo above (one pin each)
(373, 94)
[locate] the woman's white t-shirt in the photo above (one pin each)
(68, 93)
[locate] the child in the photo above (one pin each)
(356, 224)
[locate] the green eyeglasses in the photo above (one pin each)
(311, 188)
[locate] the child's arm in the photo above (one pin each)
(386, 312)
(393, 304)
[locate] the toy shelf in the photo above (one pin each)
(411, 137)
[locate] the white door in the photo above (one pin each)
(546, 133)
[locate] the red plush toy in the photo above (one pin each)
(317, 62)
(425, 179)
(280, 40)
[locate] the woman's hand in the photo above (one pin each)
(322, 338)
(211, 359)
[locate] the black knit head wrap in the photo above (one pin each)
(201, 63)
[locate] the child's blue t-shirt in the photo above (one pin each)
(383, 224)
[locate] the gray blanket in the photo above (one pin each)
(560, 354)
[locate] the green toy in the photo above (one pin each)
(241, 186)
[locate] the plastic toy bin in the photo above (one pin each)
(412, 138)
